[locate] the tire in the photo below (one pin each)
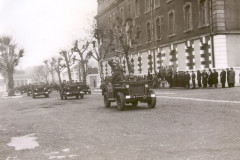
(65, 96)
(47, 95)
(77, 96)
(34, 96)
(107, 103)
(120, 101)
(135, 103)
(61, 96)
(152, 100)
(89, 92)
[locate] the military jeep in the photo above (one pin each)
(40, 91)
(129, 92)
(71, 90)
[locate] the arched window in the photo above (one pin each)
(203, 12)
(171, 22)
(148, 32)
(187, 16)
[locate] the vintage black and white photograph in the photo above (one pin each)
(119, 80)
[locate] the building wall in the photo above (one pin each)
(233, 50)
(232, 14)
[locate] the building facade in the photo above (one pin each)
(183, 34)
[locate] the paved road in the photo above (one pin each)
(198, 124)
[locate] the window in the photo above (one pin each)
(137, 8)
(147, 6)
(188, 16)
(129, 9)
(156, 3)
(171, 23)
(148, 32)
(203, 12)
(158, 26)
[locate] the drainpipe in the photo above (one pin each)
(153, 35)
(211, 33)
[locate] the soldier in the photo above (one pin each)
(215, 78)
(193, 79)
(228, 75)
(199, 79)
(188, 78)
(117, 71)
(204, 78)
(223, 78)
(232, 78)
(210, 78)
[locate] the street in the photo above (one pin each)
(199, 124)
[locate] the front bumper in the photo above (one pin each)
(142, 98)
(40, 93)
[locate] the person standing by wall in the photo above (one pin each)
(228, 75)
(193, 79)
(199, 79)
(188, 78)
(232, 78)
(223, 78)
(210, 78)
(215, 78)
(204, 78)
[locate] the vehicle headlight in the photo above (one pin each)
(127, 86)
(146, 85)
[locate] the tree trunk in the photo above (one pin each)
(79, 72)
(59, 78)
(69, 73)
(130, 69)
(10, 83)
(84, 73)
(100, 66)
(52, 73)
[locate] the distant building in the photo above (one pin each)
(183, 34)
(93, 79)
(21, 77)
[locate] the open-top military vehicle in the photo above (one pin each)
(40, 90)
(85, 88)
(70, 90)
(129, 92)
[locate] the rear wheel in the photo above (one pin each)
(107, 103)
(120, 101)
(152, 100)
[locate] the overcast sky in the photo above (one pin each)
(43, 27)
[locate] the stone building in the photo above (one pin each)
(184, 34)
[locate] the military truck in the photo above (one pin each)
(70, 90)
(129, 92)
(85, 88)
(40, 90)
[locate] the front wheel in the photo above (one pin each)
(77, 96)
(82, 96)
(61, 96)
(107, 103)
(120, 101)
(152, 100)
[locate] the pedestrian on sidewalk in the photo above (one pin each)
(199, 79)
(215, 78)
(223, 78)
(193, 79)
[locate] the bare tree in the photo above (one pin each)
(59, 66)
(102, 44)
(50, 67)
(83, 57)
(127, 35)
(40, 74)
(69, 59)
(9, 59)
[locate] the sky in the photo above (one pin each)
(44, 27)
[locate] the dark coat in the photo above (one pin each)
(223, 76)
(210, 78)
(232, 77)
(215, 77)
(199, 76)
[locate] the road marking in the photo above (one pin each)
(198, 99)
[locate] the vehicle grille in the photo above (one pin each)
(137, 89)
(73, 89)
